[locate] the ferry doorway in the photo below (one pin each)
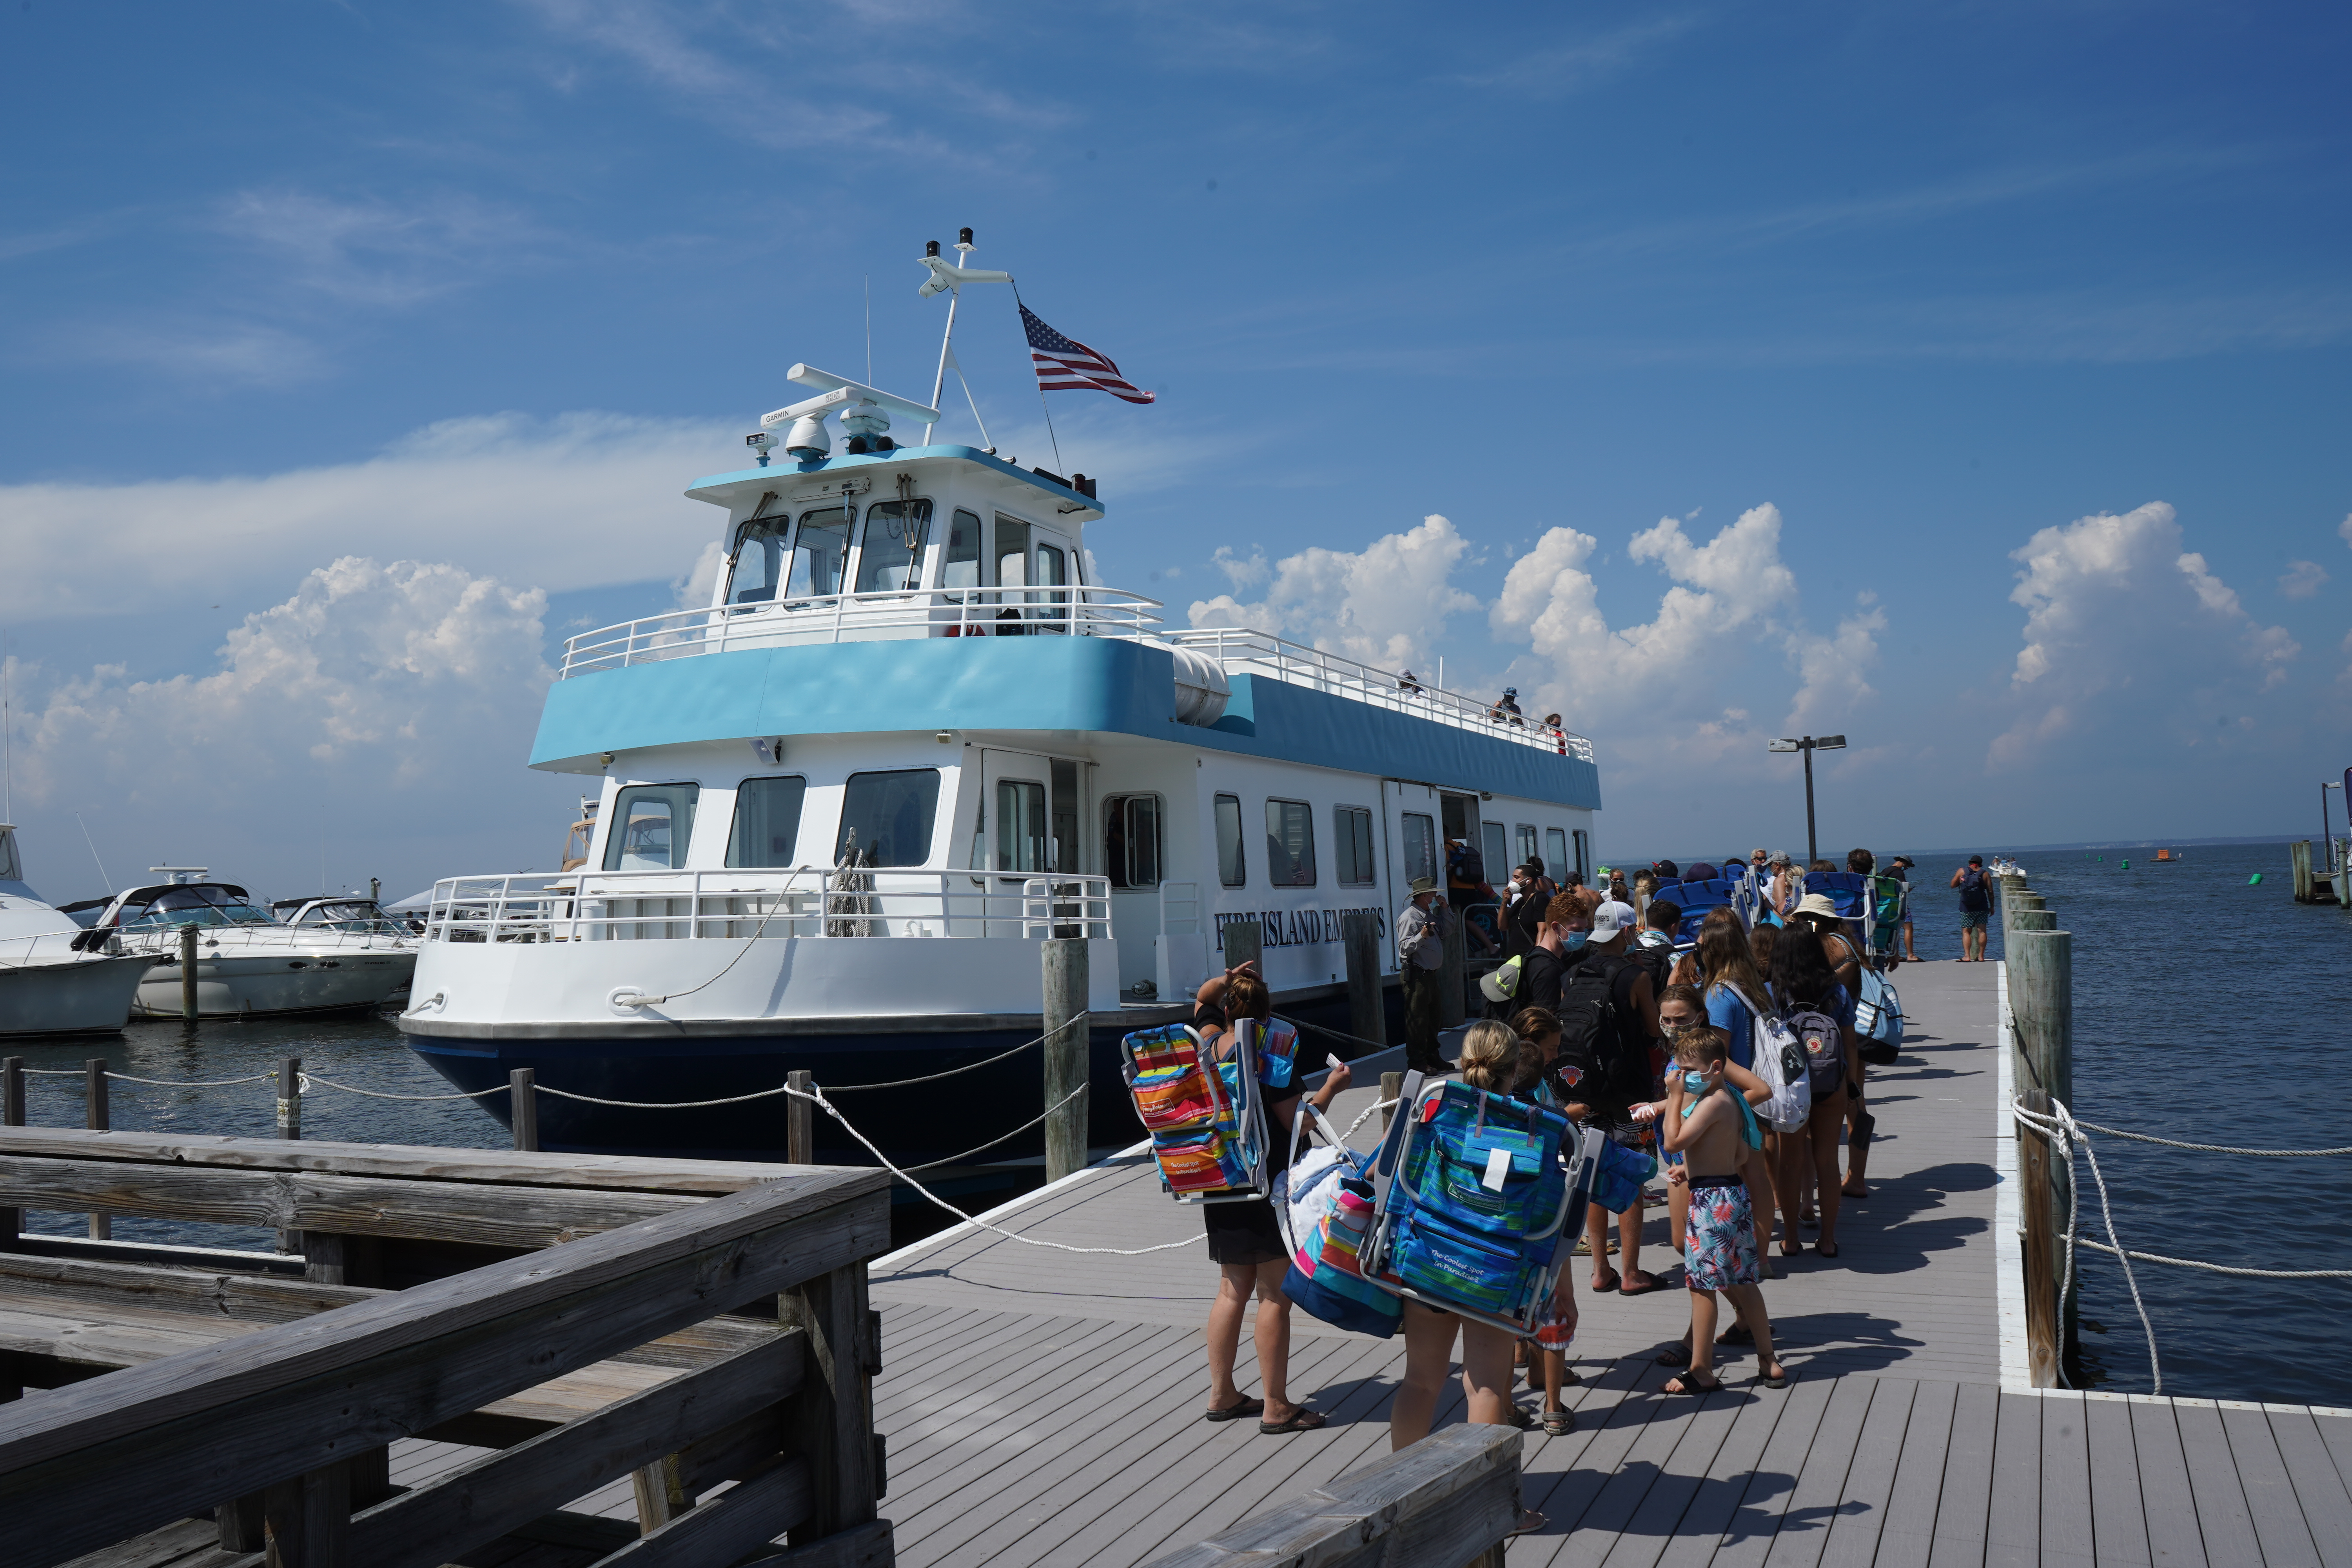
(1031, 811)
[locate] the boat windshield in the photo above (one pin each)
(353, 914)
(198, 905)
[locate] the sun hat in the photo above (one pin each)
(1817, 904)
(1423, 885)
(1610, 918)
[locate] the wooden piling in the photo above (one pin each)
(188, 975)
(2040, 1242)
(1391, 1085)
(11, 1114)
(1065, 961)
(2299, 857)
(2035, 919)
(1360, 933)
(1244, 942)
(800, 1121)
(2041, 967)
(98, 1116)
(523, 1099)
(289, 1126)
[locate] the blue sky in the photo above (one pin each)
(1944, 336)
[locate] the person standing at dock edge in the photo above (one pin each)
(1422, 928)
(1976, 905)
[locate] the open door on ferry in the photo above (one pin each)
(1029, 817)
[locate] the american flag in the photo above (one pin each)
(1065, 365)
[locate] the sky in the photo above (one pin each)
(1969, 379)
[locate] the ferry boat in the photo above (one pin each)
(910, 736)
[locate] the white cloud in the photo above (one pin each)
(570, 502)
(382, 253)
(2124, 626)
(2344, 528)
(1386, 605)
(2301, 579)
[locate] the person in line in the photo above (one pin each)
(1976, 906)
(1618, 891)
(1732, 988)
(1710, 1130)
(1422, 928)
(1759, 864)
(1489, 1061)
(1901, 868)
(1560, 940)
(1788, 885)
(1817, 914)
(1531, 894)
(1621, 1069)
(1801, 979)
(1682, 1008)
(1659, 923)
(1545, 1353)
(1244, 1242)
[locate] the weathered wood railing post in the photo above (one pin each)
(1391, 1085)
(2040, 1243)
(1359, 933)
(1065, 978)
(2040, 974)
(522, 1097)
(289, 1127)
(98, 1116)
(799, 1119)
(11, 1114)
(188, 975)
(832, 1417)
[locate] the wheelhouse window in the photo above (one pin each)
(819, 553)
(1354, 844)
(767, 826)
(1053, 572)
(1420, 847)
(1289, 844)
(1131, 841)
(890, 557)
(1020, 826)
(1232, 870)
(1012, 554)
(961, 567)
(1555, 852)
(758, 561)
(885, 819)
(651, 825)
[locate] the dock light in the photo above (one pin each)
(1809, 744)
(945, 737)
(607, 759)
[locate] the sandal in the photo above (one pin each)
(1777, 1378)
(1301, 1420)
(1737, 1334)
(1688, 1383)
(1249, 1406)
(1626, 1287)
(1558, 1423)
(1674, 1355)
(1529, 1522)
(1826, 1248)
(1614, 1281)
(1519, 1418)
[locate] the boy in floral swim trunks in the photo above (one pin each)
(1720, 1238)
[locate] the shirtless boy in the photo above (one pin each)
(1704, 1124)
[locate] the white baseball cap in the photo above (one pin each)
(1610, 918)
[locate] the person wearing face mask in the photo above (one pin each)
(1712, 1125)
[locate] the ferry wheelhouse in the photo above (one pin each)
(910, 738)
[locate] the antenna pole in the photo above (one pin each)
(940, 382)
(7, 742)
(94, 854)
(869, 331)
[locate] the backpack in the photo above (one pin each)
(1780, 1061)
(1654, 959)
(1878, 1019)
(1206, 1121)
(1327, 1211)
(1588, 1030)
(1975, 897)
(1477, 1200)
(1823, 1044)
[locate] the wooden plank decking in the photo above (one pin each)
(1044, 1407)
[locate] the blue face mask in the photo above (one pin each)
(1694, 1083)
(1574, 940)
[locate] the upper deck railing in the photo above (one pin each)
(1041, 612)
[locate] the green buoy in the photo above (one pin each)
(2126, 865)
(2255, 880)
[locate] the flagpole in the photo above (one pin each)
(1057, 440)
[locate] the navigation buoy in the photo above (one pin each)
(2126, 865)
(2255, 880)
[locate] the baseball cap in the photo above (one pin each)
(1612, 918)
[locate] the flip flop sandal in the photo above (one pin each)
(1249, 1406)
(1301, 1420)
(1826, 1248)
(1614, 1281)
(1737, 1334)
(1529, 1522)
(1627, 1288)
(1688, 1383)
(1558, 1423)
(1520, 1418)
(1779, 1380)
(1674, 1355)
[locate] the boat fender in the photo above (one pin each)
(1202, 691)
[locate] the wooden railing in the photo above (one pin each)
(684, 1340)
(1449, 1500)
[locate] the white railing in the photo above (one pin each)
(679, 906)
(864, 617)
(1245, 652)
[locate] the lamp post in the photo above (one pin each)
(1809, 744)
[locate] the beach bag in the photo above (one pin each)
(1619, 1175)
(1475, 1205)
(1328, 1211)
(1878, 1019)
(1780, 1061)
(1207, 1121)
(1274, 1048)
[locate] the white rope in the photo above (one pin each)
(992, 1143)
(819, 1099)
(2212, 1148)
(2221, 1268)
(1368, 1111)
(307, 1081)
(2069, 1135)
(192, 1083)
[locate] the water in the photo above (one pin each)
(2214, 1011)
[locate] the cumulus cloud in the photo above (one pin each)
(2121, 620)
(1386, 605)
(575, 501)
(2301, 579)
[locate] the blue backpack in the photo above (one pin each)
(1478, 1199)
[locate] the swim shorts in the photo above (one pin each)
(1971, 919)
(1719, 1239)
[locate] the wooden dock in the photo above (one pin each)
(1044, 1408)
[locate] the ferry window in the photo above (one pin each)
(1354, 843)
(1584, 853)
(885, 819)
(1523, 844)
(1052, 572)
(758, 561)
(1289, 844)
(1131, 841)
(1232, 869)
(767, 822)
(1063, 850)
(1012, 552)
(1555, 852)
(651, 825)
(891, 555)
(1020, 826)
(1491, 846)
(820, 552)
(961, 569)
(1420, 847)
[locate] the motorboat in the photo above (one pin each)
(910, 736)
(249, 964)
(54, 978)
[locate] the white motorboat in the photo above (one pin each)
(54, 978)
(249, 965)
